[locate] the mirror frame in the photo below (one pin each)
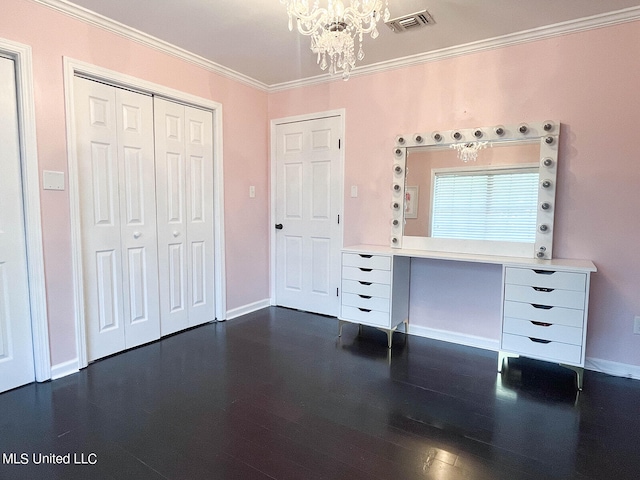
(548, 135)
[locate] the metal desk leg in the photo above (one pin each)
(579, 374)
(340, 324)
(502, 356)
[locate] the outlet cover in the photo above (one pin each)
(636, 325)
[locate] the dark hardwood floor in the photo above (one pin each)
(276, 394)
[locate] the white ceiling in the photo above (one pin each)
(251, 37)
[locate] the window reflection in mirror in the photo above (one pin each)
(477, 219)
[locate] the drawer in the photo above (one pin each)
(377, 262)
(545, 296)
(366, 275)
(366, 288)
(546, 331)
(557, 315)
(367, 302)
(372, 317)
(546, 278)
(554, 351)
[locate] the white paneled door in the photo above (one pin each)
(16, 344)
(308, 238)
(114, 133)
(184, 184)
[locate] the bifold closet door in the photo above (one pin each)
(16, 345)
(114, 133)
(184, 188)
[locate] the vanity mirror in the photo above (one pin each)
(487, 190)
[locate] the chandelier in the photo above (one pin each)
(469, 151)
(333, 29)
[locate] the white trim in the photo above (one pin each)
(95, 19)
(21, 54)
(250, 308)
(65, 368)
(341, 112)
(454, 337)
(73, 67)
(563, 28)
(613, 368)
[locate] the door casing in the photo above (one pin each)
(22, 57)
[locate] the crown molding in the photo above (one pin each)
(147, 40)
(564, 28)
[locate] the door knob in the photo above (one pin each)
(176, 233)
(279, 226)
(136, 234)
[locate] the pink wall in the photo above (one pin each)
(53, 35)
(588, 81)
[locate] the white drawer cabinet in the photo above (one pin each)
(375, 291)
(544, 316)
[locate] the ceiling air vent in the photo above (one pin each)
(411, 21)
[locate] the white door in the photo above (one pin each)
(308, 193)
(16, 345)
(184, 185)
(114, 133)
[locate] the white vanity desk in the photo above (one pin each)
(543, 310)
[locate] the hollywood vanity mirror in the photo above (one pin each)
(488, 190)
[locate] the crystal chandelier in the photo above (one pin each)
(333, 29)
(469, 151)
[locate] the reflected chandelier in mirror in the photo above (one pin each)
(488, 190)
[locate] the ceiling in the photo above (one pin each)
(251, 37)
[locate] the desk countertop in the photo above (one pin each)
(556, 263)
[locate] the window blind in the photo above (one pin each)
(486, 205)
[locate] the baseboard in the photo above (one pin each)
(252, 307)
(454, 337)
(613, 368)
(63, 369)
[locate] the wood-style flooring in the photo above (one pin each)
(275, 394)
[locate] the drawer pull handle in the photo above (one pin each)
(366, 310)
(544, 272)
(366, 297)
(366, 269)
(543, 289)
(365, 283)
(543, 307)
(541, 324)
(365, 256)
(539, 340)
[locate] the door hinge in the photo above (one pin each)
(339, 143)
(337, 292)
(338, 219)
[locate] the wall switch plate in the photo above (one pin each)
(636, 325)
(354, 191)
(252, 191)
(52, 180)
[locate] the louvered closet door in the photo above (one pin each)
(114, 132)
(184, 185)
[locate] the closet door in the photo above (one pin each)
(199, 156)
(114, 134)
(139, 240)
(16, 347)
(184, 185)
